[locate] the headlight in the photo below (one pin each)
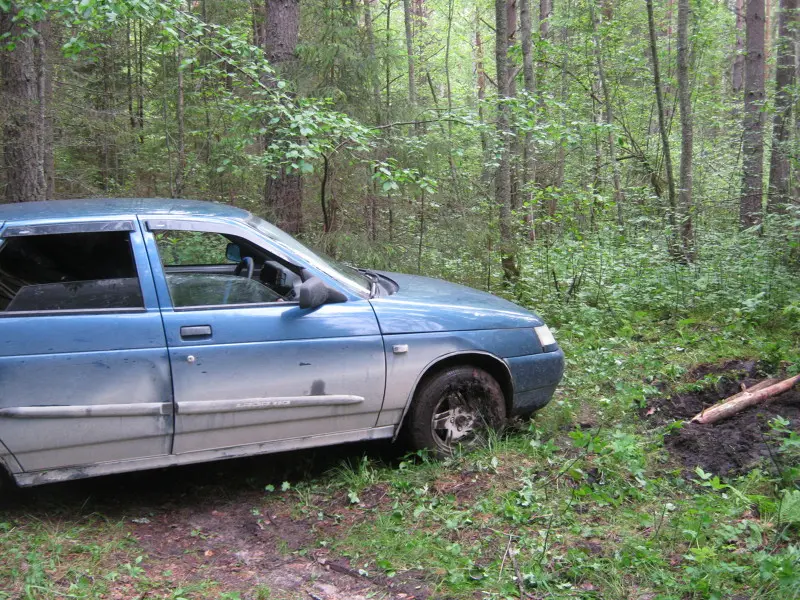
(545, 337)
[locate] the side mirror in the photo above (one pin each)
(314, 293)
(233, 253)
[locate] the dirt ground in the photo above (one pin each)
(216, 523)
(735, 445)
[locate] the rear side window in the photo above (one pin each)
(71, 271)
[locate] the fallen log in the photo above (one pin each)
(758, 393)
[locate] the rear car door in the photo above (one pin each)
(249, 366)
(84, 371)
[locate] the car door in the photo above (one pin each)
(84, 370)
(250, 367)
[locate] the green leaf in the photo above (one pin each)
(790, 507)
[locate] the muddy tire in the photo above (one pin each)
(456, 407)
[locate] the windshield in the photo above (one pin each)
(345, 274)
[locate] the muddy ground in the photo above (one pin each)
(215, 522)
(735, 445)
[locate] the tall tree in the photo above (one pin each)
(529, 80)
(779, 182)
(503, 175)
(412, 78)
(23, 100)
(737, 67)
(753, 137)
(179, 117)
(283, 193)
(663, 131)
(619, 198)
(687, 132)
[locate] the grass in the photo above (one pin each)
(581, 502)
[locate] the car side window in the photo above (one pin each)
(69, 271)
(199, 273)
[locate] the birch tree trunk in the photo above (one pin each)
(687, 133)
(529, 79)
(737, 68)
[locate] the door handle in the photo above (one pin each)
(195, 331)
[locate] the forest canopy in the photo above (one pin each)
(450, 137)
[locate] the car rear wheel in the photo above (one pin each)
(457, 407)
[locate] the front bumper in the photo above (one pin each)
(535, 378)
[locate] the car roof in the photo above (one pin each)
(114, 207)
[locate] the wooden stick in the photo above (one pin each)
(758, 393)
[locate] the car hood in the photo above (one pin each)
(423, 304)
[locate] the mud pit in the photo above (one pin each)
(733, 446)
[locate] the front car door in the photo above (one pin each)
(84, 371)
(250, 368)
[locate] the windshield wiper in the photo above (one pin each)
(374, 278)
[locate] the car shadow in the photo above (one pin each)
(230, 480)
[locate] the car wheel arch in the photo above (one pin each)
(492, 364)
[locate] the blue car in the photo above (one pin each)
(139, 333)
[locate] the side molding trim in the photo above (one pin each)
(201, 407)
(142, 409)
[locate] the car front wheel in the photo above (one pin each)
(458, 406)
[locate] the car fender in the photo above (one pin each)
(495, 365)
(410, 356)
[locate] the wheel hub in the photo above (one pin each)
(453, 425)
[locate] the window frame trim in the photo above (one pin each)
(75, 312)
(67, 228)
(181, 309)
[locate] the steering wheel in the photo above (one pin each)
(247, 261)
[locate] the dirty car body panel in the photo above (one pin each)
(81, 384)
(261, 372)
(118, 356)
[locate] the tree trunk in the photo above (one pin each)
(529, 79)
(619, 198)
(179, 112)
(545, 12)
(412, 79)
(480, 75)
(283, 193)
(140, 81)
(753, 138)
(662, 126)
(44, 75)
(374, 79)
(779, 183)
(23, 130)
(503, 176)
(737, 68)
(515, 144)
(687, 132)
